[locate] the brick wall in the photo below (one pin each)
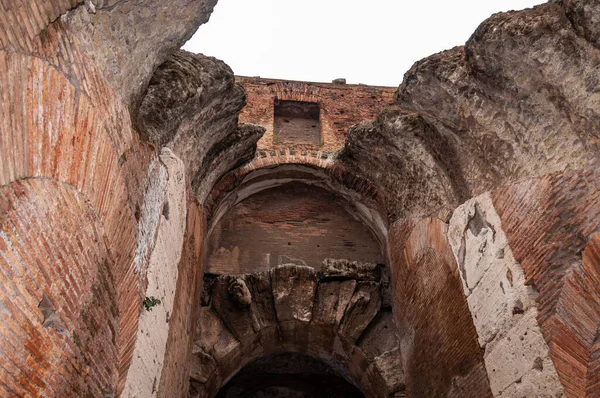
(294, 223)
(60, 120)
(442, 357)
(552, 227)
(58, 304)
(342, 105)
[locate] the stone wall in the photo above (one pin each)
(291, 309)
(503, 307)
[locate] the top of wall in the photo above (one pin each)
(268, 81)
(341, 106)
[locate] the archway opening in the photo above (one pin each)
(290, 375)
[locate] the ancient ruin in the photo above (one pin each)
(169, 229)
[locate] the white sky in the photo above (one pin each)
(372, 42)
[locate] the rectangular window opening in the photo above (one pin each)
(297, 122)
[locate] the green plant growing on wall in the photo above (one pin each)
(150, 302)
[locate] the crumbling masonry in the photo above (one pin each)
(296, 239)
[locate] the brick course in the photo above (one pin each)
(54, 258)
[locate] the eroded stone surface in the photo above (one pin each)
(321, 318)
(503, 307)
(244, 320)
(341, 268)
(331, 301)
(192, 106)
(129, 39)
(521, 352)
(493, 281)
(293, 291)
(162, 274)
(390, 368)
(516, 101)
(361, 310)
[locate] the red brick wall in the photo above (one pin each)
(296, 221)
(64, 122)
(58, 305)
(438, 339)
(342, 105)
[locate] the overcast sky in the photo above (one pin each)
(372, 42)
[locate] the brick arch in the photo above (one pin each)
(57, 288)
(295, 91)
(51, 131)
(273, 168)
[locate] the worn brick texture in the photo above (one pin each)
(342, 105)
(295, 224)
(551, 224)
(61, 121)
(444, 360)
(58, 309)
(21, 23)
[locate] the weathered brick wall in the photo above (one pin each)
(58, 304)
(20, 24)
(552, 227)
(65, 123)
(437, 337)
(61, 121)
(294, 223)
(342, 105)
